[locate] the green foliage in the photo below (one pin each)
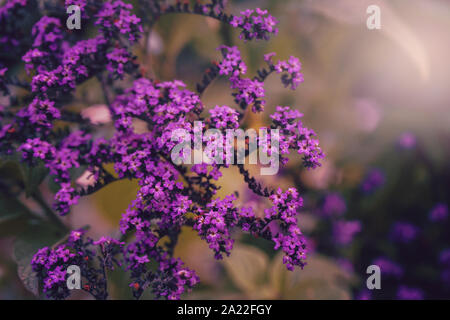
(258, 278)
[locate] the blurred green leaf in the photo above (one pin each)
(33, 177)
(321, 278)
(247, 266)
(11, 208)
(13, 215)
(10, 171)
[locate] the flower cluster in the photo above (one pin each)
(333, 205)
(255, 24)
(344, 231)
(214, 224)
(444, 260)
(296, 136)
(407, 293)
(374, 179)
(15, 18)
(388, 267)
(46, 131)
(289, 70)
(290, 239)
(439, 212)
(115, 18)
(223, 117)
(404, 232)
(401, 226)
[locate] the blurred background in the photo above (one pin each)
(379, 101)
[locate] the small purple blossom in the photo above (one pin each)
(388, 267)
(444, 258)
(439, 212)
(407, 140)
(255, 24)
(294, 135)
(345, 231)
(333, 204)
(408, 293)
(404, 232)
(374, 179)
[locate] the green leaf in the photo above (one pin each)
(10, 171)
(321, 278)
(247, 267)
(11, 208)
(36, 236)
(13, 216)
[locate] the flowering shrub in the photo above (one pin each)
(48, 137)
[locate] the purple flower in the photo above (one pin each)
(345, 231)
(439, 212)
(444, 258)
(364, 294)
(374, 179)
(118, 60)
(223, 117)
(294, 135)
(407, 140)
(255, 24)
(115, 18)
(388, 267)
(407, 293)
(404, 232)
(333, 204)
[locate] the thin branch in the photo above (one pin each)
(51, 215)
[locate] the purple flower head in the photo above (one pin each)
(223, 117)
(51, 265)
(345, 231)
(407, 293)
(439, 212)
(444, 258)
(115, 19)
(404, 232)
(333, 204)
(445, 276)
(255, 24)
(294, 135)
(374, 179)
(388, 267)
(364, 294)
(407, 140)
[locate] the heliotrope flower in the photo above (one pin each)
(439, 212)
(46, 131)
(404, 232)
(344, 231)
